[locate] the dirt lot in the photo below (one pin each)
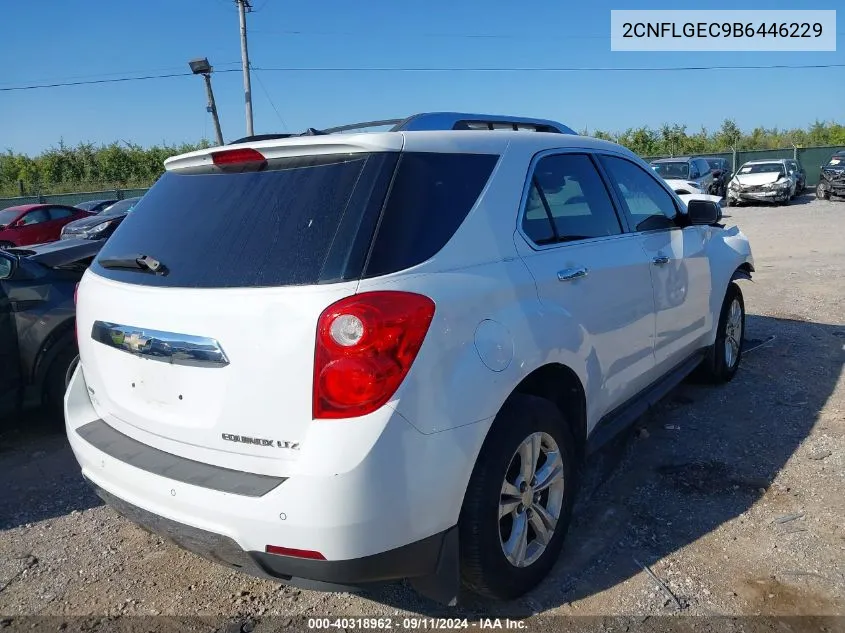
(734, 497)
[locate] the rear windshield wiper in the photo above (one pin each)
(143, 263)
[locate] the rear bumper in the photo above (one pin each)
(414, 560)
(388, 518)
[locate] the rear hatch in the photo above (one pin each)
(197, 321)
(216, 354)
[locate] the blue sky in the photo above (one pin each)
(57, 40)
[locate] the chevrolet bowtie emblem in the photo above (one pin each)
(135, 341)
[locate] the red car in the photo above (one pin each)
(35, 223)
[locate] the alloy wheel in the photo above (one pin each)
(531, 499)
(733, 334)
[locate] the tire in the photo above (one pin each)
(57, 379)
(722, 362)
(485, 568)
(5, 245)
(822, 192)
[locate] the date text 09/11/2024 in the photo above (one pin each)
(414, 623)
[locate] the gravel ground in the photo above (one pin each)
(732, 497)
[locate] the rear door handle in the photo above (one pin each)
(569, 274)
(660, 260)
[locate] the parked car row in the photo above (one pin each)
(30, 224)
(781, 179)
(349, 368)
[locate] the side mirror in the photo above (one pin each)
(7, 267)
(703, 212)
(717, 173)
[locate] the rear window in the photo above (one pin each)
(308, 220)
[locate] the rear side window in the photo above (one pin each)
(568, 201)
(430, 197)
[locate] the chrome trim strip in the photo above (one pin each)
(166, 347)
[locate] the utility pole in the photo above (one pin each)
(243, 7)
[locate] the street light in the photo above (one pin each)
(200, 66)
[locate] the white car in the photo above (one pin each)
(762, 180)
(682, 187)
(342, 359)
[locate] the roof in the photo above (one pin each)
(761, 161)
(27, 207)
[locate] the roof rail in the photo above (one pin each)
(434, 121)
(469, 121)
(361, 126)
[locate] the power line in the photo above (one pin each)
(552, 69)
(433, 69)
(267, 94)
(109, 81)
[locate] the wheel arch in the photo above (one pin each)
(561, 385)
(59, 339)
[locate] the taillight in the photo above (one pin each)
(296, 553)
(365, 346)
(243, 159)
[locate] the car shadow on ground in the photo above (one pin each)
(707, 454)
(41, 475)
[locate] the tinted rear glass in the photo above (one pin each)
(268, 228)
(309, 220)
(430, 197)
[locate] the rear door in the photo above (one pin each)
(592, 274)
(9, 361)
(677, 255)
(59, 216)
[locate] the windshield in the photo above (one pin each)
(678, 169)
(835, 161)
(761, 168)
(7, 215)
(122, 206)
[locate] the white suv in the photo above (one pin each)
(342, 359)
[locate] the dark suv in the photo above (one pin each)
(832, 177)
(721, 169)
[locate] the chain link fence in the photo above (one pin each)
(73, 198)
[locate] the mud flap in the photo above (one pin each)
(444, 584)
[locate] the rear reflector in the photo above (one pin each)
(296, 553)
(244, 157)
